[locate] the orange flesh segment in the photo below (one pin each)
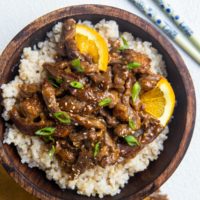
(90, 42)
(160, 101)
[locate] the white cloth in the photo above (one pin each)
(184, 184)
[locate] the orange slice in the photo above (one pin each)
(90, 42)
(160, 101)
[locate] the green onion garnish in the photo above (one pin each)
(131, 140)
(96, 149)
(59, 81)
(48, 138)
(135, 91)
(105, 102)
(76, 84)
(125, 44)
(133, 65)
(76, 64)
(55, 82)
(52, 151)
(47, 131)
(63, 117)
(131, 124)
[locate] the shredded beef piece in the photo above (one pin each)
(102, 79)
(67, 45)
(128, 151)
(65, 152)
(120, 75)
(88, 121)
(62, 131)
(49, 96)
(56, 69)
(83, 162)
(28, 125)
(122, 130)
(132, 56)
(30, 107)
(109, 153)
(151, 127)
(121, 112)
(28, 90)
(149, 82)
(109, 118)
(88, 67)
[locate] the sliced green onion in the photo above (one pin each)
(76, 84)
(135, 91)
(59, 80)
(52, 151)
(48, 138)
(55, 82)
(96, 149)
(131, 140)
(63, 117)
(125, 44)
(104, 102)
(131, 124)
(45, 131)
(76, 64)
(133, 65)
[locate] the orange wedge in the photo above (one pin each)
(90, 42)
(160, 101)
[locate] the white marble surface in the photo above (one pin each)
(15, 14)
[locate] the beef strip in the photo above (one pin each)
(28, 90)
(89, 67)
(67, 45)
(30, 107)
(120, 111)
(49, 96)
(128, 151)
(87, 94)
(71, 104)
(132, 56)
(62, 131)
(56, 69)
(83, 162)
(94, 95)
(148, 82)
(65, 152)
(126, 100)
(88, 121)
(122, 130)
(151, 128)
(26, 124)
(109, 118)
(120, 75)
(102, 79)
(109, 153)
(115, 54)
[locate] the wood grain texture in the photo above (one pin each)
(181, 127)
(10, 189)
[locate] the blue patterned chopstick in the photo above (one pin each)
(167, 29)
(185, 28)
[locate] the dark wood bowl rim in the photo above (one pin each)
(23, 35)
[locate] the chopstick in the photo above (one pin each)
(178, 21)
(167, 29)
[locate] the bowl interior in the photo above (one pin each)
(36, 178)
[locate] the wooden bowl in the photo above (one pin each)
(181, 127)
